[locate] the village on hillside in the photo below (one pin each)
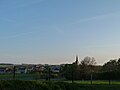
(27, 68)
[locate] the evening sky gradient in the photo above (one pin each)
(55, 31)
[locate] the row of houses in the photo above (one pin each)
(28, 68)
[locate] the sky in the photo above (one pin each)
(55, 31)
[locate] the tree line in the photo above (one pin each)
(87, 69)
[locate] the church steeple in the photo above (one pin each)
(77, 60)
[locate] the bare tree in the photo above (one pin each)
(89, 61)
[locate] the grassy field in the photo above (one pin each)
(46, 85)
(55, 85)
(19, 77)
(96, 82)
(25, 82)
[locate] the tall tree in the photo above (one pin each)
(88, 61)
(88, 67)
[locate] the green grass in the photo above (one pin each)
(45, 85)
(18, 76)
(97, 82)
(23, 82)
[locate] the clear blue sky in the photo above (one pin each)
(54, 31)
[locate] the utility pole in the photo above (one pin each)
(49, 74)
(109, 82)
(72, 76)
(14, 67)
(91, 78)
(109, 77)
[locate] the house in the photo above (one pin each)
(5, 68)
(9, 70)
(2, 70)
(22, 70)
(39, 68)
(30, 68)
(55, 68)
(6, 65)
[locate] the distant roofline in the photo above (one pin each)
(6, 64)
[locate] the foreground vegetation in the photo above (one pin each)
(46, 85)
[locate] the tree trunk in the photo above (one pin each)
(14, 72)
